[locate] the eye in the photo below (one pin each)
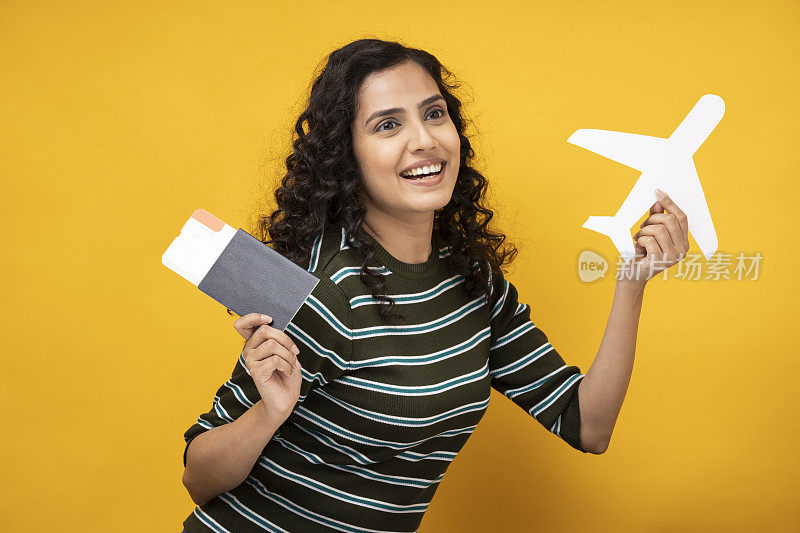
(382, 124)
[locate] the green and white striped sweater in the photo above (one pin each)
(384, 409)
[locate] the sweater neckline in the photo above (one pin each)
(408, 270)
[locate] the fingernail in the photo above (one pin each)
(660, 194)
(295, 350)
(266, 317)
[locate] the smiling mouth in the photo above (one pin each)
(423, 177)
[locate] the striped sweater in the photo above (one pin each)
(384, 409)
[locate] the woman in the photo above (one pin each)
(348, 420)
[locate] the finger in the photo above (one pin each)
(644, 268)
(637, 248)
(643, 264)
(247, 324)
(667, 220)
(267, 366)
(662, 236)
(653, 252)
(270, 348)
(656, 208)
(679, 237)
(672, 208)
(282, 364)
(655, 218)
(661, 233)
(675, 231)
(651, 245)
(265, 332)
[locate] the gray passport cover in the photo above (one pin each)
(250, 277)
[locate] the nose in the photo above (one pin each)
(421, 138)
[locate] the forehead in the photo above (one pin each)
(403, 85)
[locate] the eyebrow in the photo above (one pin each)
(398, 110)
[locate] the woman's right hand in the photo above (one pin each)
(271, 357)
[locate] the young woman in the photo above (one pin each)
(348, 420)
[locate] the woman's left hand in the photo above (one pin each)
(662, 241)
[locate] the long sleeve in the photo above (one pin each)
(320, 329)
(528, 370)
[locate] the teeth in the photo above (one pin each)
(424, 170)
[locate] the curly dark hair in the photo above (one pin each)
(322, 180)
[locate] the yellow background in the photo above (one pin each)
(117, 120)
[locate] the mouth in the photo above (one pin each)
(424, 177)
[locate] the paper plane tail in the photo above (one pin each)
(616, 231)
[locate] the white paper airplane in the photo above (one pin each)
(665, 164)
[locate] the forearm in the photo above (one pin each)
(602, 390)
(219, 459)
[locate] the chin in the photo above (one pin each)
(430, 206)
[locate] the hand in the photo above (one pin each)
(662, 242)
(271, 357)
(248, 324)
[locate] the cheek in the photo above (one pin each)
(381, 158)
(455, 157)
(453, 141)
(376, 183)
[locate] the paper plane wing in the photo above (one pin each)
(635, 151)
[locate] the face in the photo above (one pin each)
(416, 128)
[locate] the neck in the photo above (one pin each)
(407, 240)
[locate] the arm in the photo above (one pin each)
(663, 241)
(219, 460)
(232, 435)
(602, 391)
(528, 370)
